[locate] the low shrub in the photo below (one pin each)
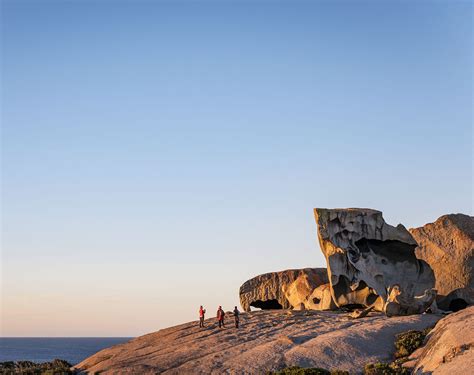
(296, 370)
(384, 369)
(56, 367)
(407, 342)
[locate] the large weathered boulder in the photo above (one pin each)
(447, 245)
(372, 263)
(449, 347)
(282, 290)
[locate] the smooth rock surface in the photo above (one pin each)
(449, 347)
(447, 245)
(372, 263)
(266, 341)
(282, 290)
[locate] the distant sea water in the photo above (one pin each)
(45, 349)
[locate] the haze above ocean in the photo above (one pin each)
(44, 349)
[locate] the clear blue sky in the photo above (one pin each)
(158, 154)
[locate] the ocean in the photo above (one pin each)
(44, 349)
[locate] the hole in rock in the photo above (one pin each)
(371, 298)
(336, 221)
(457, 304)
(392, 251)
(316, 300)
(362, 285)
(271, 304)
(342, 286)
(352, 307)
(353, 255)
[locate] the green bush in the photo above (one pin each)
(56, 367)
(384, 369)
(296, 370)
(407, 342)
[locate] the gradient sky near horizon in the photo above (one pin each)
(156, 155)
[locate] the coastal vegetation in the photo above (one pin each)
(55, 367)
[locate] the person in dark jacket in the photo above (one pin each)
(202, 311)
(220, 317)
(236, 317)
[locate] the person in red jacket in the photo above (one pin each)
(220, 317)
(201, 317)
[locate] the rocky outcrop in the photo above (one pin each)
(447, 245)
(282, 290)
(265, 341)
(322, 298)
(372, 263)
(449, 347)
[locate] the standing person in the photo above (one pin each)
(220, 317)
(201, 317)
(236, 316)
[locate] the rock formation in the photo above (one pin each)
(447, 245)
(371, 263)
(322, 298)
(449, 347)
(282, 290)
(266, 341)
